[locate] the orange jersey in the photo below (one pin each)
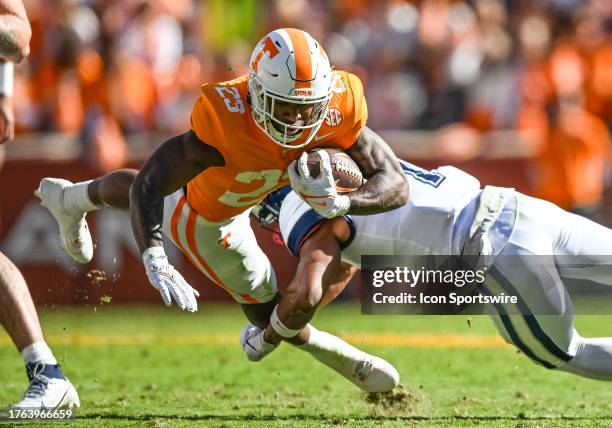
(254, 164)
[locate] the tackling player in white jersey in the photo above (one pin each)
(529, 247)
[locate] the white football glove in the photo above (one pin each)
(320, 193)
(168, 281)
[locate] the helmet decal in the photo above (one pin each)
(267, 45)
(303, 59)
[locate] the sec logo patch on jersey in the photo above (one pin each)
(333, 117)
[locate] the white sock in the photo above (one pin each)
(38, 351)
(76, 198)
(369, 373)
(327, 348)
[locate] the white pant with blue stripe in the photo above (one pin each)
(541, 324)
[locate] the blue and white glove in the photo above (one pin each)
(168, 281)
(320, 193)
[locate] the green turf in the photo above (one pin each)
(161, 385)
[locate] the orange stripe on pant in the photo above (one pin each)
(176, 215)
(249, 299)
(190, 232)
(191, 243)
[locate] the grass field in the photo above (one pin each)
(158, 367)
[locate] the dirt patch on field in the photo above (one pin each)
(401, 401)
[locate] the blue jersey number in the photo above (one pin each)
(432, 178)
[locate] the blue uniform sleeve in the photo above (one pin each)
(306, 225)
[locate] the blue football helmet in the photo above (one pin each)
(268, 210)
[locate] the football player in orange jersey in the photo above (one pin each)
(198, 187)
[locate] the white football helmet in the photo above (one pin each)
(289, 66)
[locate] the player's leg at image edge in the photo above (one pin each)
(541, 325)
(48, 388)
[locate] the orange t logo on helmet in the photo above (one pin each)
(268, 46)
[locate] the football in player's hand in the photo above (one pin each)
(347, 175)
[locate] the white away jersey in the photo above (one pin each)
(436, 219)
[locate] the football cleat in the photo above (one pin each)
(75, 238)
(373, 374)
(369, 373)
(253, 343)
(48, 389)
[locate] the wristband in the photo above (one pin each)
(280, 328)
(6, 78)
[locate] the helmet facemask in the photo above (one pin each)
(263, 103)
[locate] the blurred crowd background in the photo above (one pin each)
(107, 69)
